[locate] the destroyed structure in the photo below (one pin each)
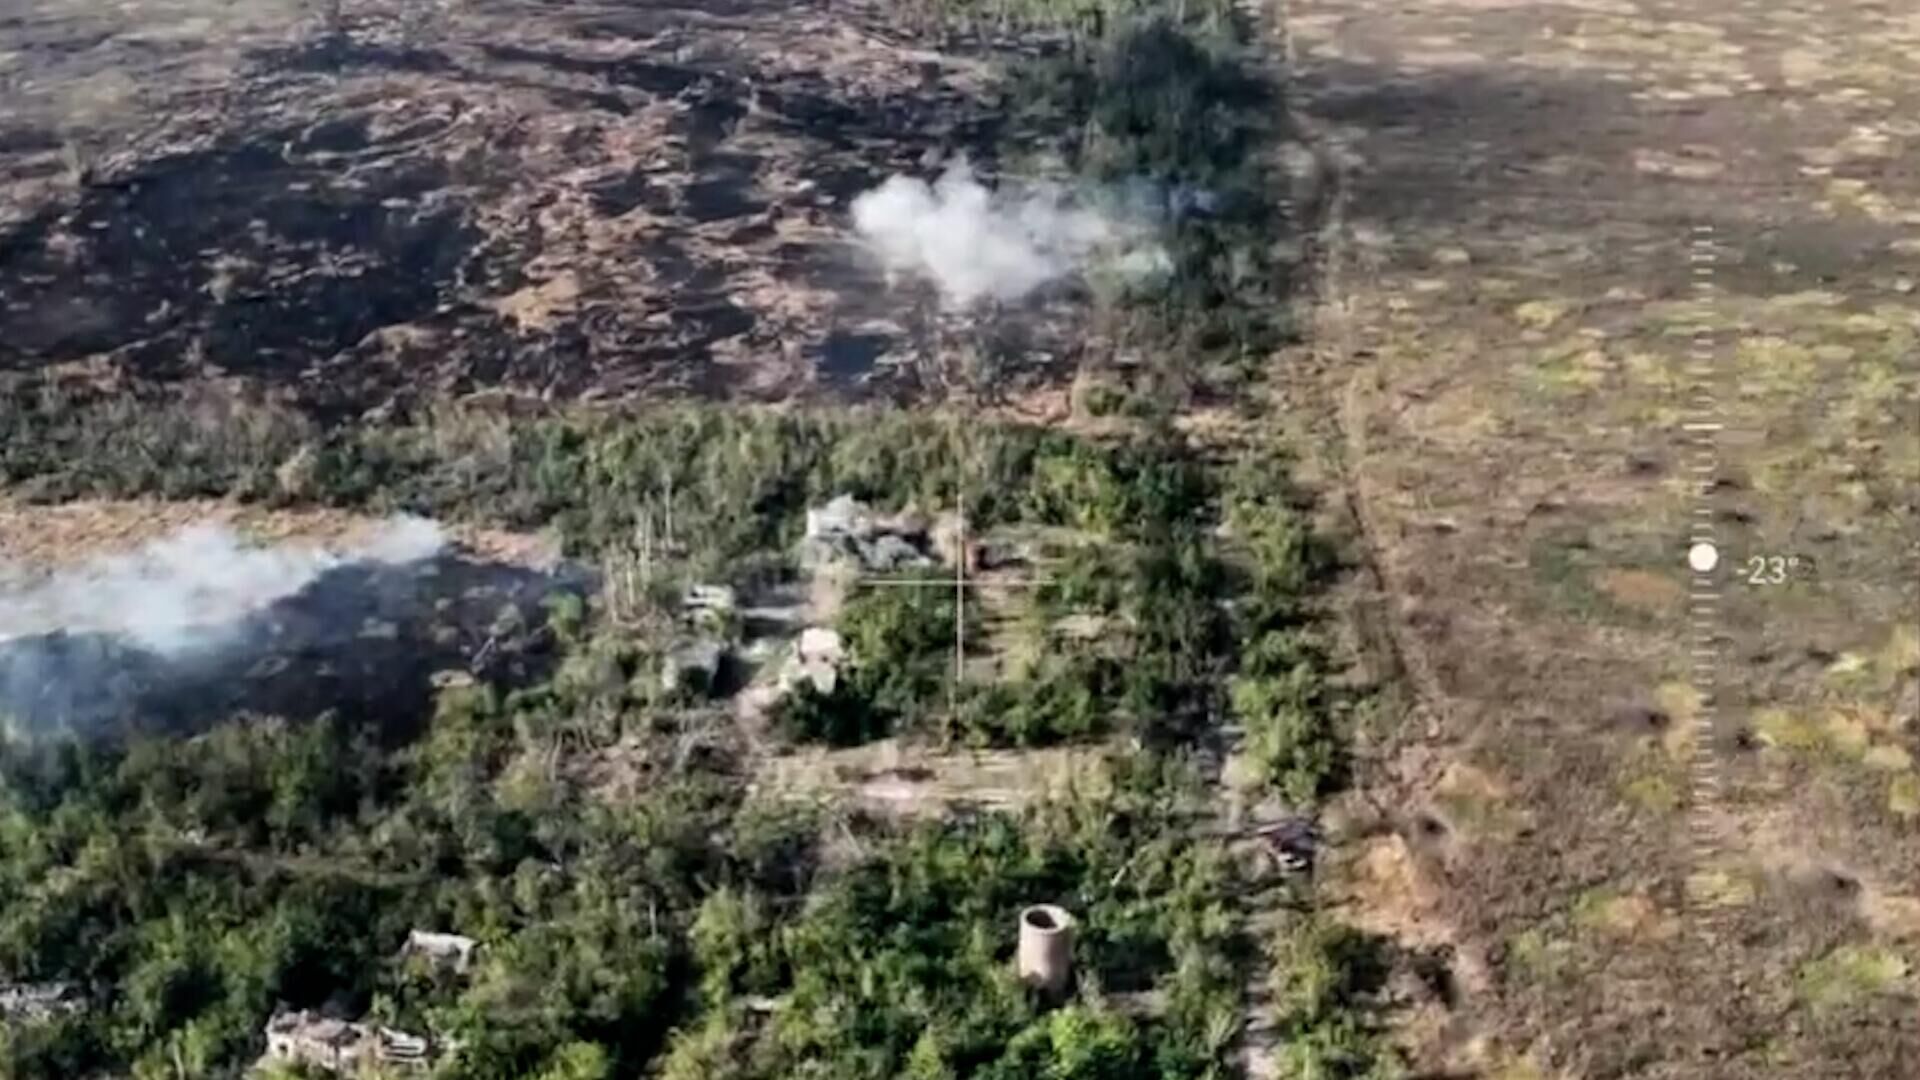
(308, 1039)
(694, 666)
(451, 952)
(35, 1002)
(845, 533)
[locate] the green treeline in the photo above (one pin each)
(668, 922)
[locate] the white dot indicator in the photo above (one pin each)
(1703, 557)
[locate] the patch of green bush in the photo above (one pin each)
(185, 912)
(1290, 736)
(619, 937)
(900, 648)
(903, 964)
(1323, 978)
(1166, 644)
(900, 643)
(1061, 700)
(1154, 668)
(1170, 100)
(1296, 737)
(837, 717)
(728, 483)
(1123, 489)
(57, 444)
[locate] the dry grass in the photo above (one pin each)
(1514, 348)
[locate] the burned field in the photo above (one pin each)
(358, 220)
(364, 642)
(194, 262)
(395, 205)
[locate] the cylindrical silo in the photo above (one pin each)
(1046, 947)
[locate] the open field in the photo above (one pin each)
(1567, 229)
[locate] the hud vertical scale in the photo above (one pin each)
(1701, 429)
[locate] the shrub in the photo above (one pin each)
(840, 717)
(1294, 724)
(1075, 1043)
(1323, 978)
(1063, 700)
(1167, 98)
(901, 965)
(1291, 736)
(1123, 490)
(900, 644)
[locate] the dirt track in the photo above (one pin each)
(1564, 228)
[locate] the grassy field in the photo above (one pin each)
(1658, 819)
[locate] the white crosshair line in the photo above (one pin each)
(960, 583)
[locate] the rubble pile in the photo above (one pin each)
(306, 1038)
(35, 1002)
(846, 535)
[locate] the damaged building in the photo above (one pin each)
(448, 952)
(306, 1038)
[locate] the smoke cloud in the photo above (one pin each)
(975, 243)
(189, 591)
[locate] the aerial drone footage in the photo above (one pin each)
(1002, 539)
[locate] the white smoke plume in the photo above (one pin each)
(973, 242)
(188, 591)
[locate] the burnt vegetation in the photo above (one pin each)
(348, 246)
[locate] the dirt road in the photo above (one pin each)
(1609, 278)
